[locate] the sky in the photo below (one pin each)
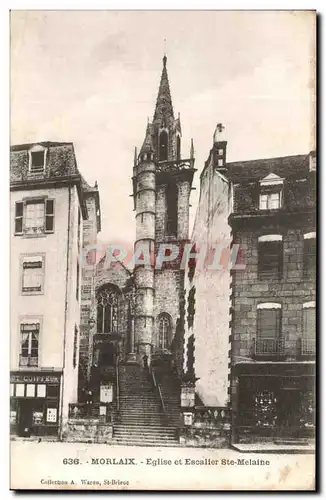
(91, 77)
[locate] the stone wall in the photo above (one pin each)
(88, 431)
(292, 290)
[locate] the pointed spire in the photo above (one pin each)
(148, 143)
(192, 151)
(164, 108)
(135, 157)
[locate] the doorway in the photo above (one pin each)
(25, 418)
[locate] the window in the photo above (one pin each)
(308, 341)
(37, 162)
(34, 216)
(77, 280)
(74, 361)
(79, 227)
(163, 146)
(29, 337)
(270, 201)
(32, 274)
(172, 210)
(178, 147)
(107, 310)
(269, 329)
(270, 256)
(191, 306)
(221, 152)
(271, 188)
(220, 163)
(309, 255)
(164, 331)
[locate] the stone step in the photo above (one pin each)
(145, 433)
(156, 443)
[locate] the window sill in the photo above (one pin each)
(33, 293)
(39, 235)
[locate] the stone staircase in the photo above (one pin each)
(142, 421)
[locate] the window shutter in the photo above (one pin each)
(19, 211)
(49, 215)
(270, 259)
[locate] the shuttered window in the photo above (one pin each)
(34, 216)
(270, 259)
(269, 323)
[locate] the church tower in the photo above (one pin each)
(162, 183)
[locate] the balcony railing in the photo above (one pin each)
(28, 360)
(284, 348)
(175, 165)
(269, 347)
(308, 347)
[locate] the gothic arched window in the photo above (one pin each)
(164, 331)
(107, 310)
(172, 210)
(163, 146)
(178, 147)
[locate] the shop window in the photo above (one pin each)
(163, 146)
(34, 216)
(172, 210)
(164, 331)
(107, 310)
(30, 390)
(29, 350)
(52, 391)
(309, 255)
(270, 256)
(33, 274)
(41, 390)
(20, 390)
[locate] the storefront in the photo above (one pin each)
(274, 402)
(34, 403)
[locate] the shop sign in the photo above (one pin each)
(188, 418)
(34, 378)
(51, 415)
(106, 393)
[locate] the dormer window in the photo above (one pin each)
(271, 192)
(37, 157)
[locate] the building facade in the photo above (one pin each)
(273, 298)
(47, 212)
(208, 280)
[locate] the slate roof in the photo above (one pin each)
(253, 170)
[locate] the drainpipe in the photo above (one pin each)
(66, 312)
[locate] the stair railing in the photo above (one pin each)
(159, 390)
(117, 387)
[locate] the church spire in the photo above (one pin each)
(164, 108)
(147, 146)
